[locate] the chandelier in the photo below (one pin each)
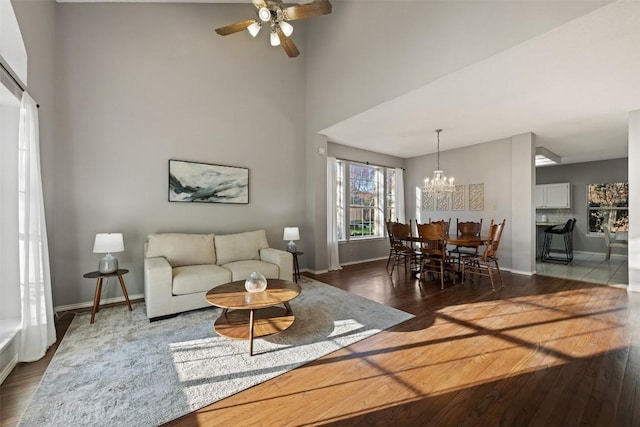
(439, 183)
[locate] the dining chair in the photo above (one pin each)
(402, 250)
(433, 251)
(609, 243)
(447, 225)
(486, 264)
(389, 225)
(467, 228)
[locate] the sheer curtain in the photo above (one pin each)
(399, 190)
(38, 331)
(332, 216)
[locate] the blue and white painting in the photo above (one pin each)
(201, 182)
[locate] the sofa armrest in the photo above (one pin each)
(158, 286)
(283, 259)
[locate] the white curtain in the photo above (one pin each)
(399, 190)
(38, 330)
(333, 256)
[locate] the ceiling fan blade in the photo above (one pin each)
(301, 11)
(234, 28)
(288, 44)
(259, 3)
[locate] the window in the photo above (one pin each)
(608, 204)
(370, 191)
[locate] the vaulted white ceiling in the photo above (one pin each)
(572, 86)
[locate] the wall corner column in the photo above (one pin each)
(523, 181)
(634, 201)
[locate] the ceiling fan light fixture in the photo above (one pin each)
(264, 14)
(287, 29)
(275, 40)
(254, 29)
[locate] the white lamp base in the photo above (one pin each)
(108, 264)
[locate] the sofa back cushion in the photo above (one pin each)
(182, 249)
(240, 246)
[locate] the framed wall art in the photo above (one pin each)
(207, 183)
(457, 198)
(428, 202)
(476, 197)
(442, 201)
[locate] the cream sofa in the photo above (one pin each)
(179, 268)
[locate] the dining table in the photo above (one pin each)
(467, 240)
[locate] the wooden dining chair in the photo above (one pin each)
(389, 225)
(467, 228)
(401, 248)
(486, 264)
(433, 251)
(447, 225)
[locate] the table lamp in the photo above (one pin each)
(106, 243)
(291, 234)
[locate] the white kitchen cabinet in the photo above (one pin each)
(553, 196)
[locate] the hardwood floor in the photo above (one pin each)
(541, 351)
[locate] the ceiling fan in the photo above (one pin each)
(276, 15)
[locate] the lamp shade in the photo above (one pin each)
(287, 29)
(274, 38)
(291, 233)
(254, 29)
(108, 243)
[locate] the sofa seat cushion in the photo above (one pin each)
(191, 279)
(182, 249)
(240, 270)
(240, 246)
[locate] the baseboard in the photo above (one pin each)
(7, 370)
(343, 263)
(524, 273)
(89, 304)
(363, 261)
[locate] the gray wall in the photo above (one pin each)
(124, 87)
(580, 175)
(138, 84)
(466, 165)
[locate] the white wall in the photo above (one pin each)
(634, 201)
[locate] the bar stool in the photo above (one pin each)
(566, 231)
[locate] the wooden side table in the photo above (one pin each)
(296, 266)
(100, 276)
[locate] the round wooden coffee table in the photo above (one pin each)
(253, 314)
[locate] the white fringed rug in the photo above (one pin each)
(125, 371)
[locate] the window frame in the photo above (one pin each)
(591, 209)
(384, 197)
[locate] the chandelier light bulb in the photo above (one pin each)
(254, 29)
(275, 40)
(264, 14)
(287, 29)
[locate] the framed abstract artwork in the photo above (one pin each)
(457, 198)
(476, 197)
(207, 183)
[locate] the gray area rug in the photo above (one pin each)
(125, 371)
